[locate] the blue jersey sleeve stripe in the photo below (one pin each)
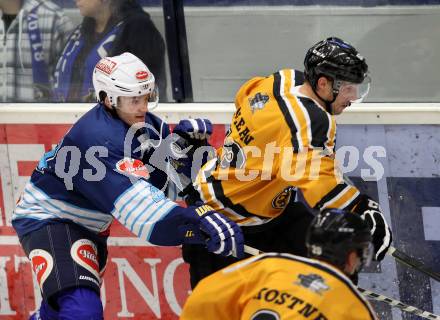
(136, 206)
(31, 208)
(140, 215)
(160, 207)
(139, 208)
(129, 201)
(148, 217)
(66, 215)
(45, 216)
(93, 214)
(127, 197)
(24, 212)
(145, 234)
(32, 212)
(30, 217)
(17, 216)
(126, 193)
(60, 210)
(55, 204)
(23, 200)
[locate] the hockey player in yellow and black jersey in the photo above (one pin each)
(280, 149)
(276, 286)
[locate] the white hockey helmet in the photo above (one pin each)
(124, 75)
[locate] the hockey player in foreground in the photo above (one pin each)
(278, 159)
(101, 171)
(279, 286)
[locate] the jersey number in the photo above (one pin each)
(265, 315)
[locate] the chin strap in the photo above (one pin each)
(328, 103)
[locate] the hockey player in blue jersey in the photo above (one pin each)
(102, 170)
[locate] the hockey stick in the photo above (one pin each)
(398, 304)
(396, 254)
(411, 262)
(252, 251)
(372, 295)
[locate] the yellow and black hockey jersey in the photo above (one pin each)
(277, 286)
(280, 143)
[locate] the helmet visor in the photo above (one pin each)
(153, 98)
(356, 92)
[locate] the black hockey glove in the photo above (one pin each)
(370, 211)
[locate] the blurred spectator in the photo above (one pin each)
(33, 33)
(109, 28)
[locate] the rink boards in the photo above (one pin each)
(393, 160)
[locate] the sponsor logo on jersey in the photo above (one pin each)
(313, 282)
(133, 167)
(42, 264)
(258, 101)
(281, 200)
(106, 65)
(141, 75)
(85, 254)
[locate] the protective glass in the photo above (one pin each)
(356, 92)
(366, 255)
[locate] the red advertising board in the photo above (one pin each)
(141, 281)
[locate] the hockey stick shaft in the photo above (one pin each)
(372, 295)
(398, 304)
(252, 251)
(396, 254)
(413, 263)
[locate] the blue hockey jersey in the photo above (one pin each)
(101, 170)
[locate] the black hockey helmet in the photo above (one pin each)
(334, 233)
(336, 59)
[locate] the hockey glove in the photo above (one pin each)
(221, 235)
(197, 129)
(370, 211)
